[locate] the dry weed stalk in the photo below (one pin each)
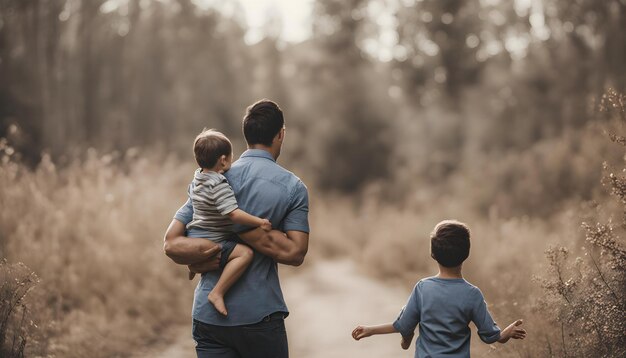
(16, 280)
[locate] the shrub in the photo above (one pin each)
(16, 326)
(91, 230)
(586, 295)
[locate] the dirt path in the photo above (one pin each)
(327, 300)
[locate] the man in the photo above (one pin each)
(254, 326)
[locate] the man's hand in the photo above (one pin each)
(361, 332)
(266, 225)
(186, 251)
(512, 331)
(210, 264)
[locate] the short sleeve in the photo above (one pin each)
(297, 218)
(488, 331)
(409, 315)
(185, 213)
(224, 198)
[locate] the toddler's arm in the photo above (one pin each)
(366, 331)
(241, 217)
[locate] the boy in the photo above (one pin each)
(444, 305)
(215, 209)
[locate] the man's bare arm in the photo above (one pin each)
(288, 248)
(187, 250)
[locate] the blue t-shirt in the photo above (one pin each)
(443, 308)
(267, 190)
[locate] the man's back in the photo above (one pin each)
(266, 190)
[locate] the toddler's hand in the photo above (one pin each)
(361, 332)
(266, 225)
(512, 331)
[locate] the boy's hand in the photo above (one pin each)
(361, 332)
(405, 343)
(513, 331)
(266, 225)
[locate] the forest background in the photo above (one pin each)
(507, 115)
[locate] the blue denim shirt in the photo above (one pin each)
(443, 308)
(267, 190)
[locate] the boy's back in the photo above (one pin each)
(444, 305)
(443, 308)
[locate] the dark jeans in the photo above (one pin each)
(266, 339)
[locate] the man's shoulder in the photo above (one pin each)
(264, 169)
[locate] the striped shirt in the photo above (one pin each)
(212, 199)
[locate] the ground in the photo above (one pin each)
(327, 300)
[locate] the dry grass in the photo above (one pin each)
(15, 324)
(92, 232)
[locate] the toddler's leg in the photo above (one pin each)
(239, 260)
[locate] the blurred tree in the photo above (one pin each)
(112, 74)
(90, 67)
(439, 41)
(350, 130)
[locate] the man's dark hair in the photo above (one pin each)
(209, 146)
(450, 243)
(262, 122)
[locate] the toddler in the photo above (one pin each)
(215, 209)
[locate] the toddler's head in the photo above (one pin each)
(211, 147)
(450, 243)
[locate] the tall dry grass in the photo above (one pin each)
(92, 232)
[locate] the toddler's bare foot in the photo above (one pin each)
(217, 301)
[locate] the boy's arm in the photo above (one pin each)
(366, 331)
(241, 217)
(410, 315)
(488, 331)
(513, 331)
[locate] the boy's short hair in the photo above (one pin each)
(209, 146)
(450, 243)
(262, 122)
